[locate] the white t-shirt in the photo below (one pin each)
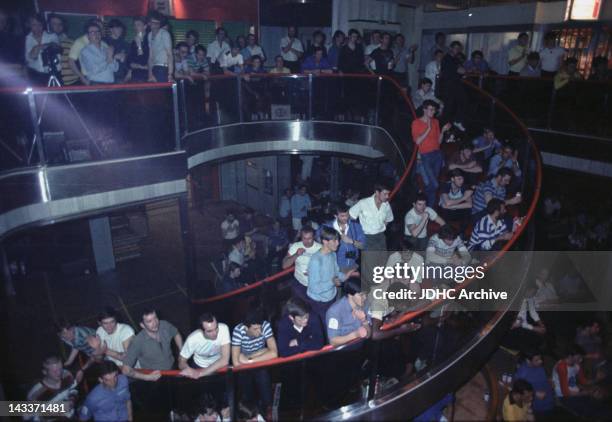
(412, 218)
(159, 47)
(438, 252)
(551, 58)
(256, 51)
(297, 45)
(205, 352)
(432, 70)
(227, 60)
(373, 219)
(115, 341)
(236, 256)
(301, 263)
(215, 49)
(230, 230)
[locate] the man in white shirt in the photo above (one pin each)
(230, 227)
(36, 42)
(292, 50)
(374, 213)
(217, 49)
(375, 41)
(112, 338)
(254, 49)
(161, 56)
(232, 63)
(299, 254)
(446, 248)
(416, 220)
(551, 57)
(432, 70)
(209, 346)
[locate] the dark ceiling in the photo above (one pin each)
(295, 12)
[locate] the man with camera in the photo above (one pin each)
(352, 238)
(41, 51)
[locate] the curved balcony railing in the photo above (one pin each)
(346, 99)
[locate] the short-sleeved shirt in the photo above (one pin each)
(491, 147)
(373, 220)
(413, 218)
(216, 49)
(489, 186)
(249, 345)
(159, 46)
(432, 141)
(302, 261)
(290, 55)
(80, 340)
(30, 42)
(199, 66)
(115, 341)
(153, 354)
(230, 230)
(300, 205)
(228, 61)
(339, 319)
(104, 404)
(513, 54)
(42, 392)
(182, 66)
(441, 250)
(513, 412)
(447, 188)
(205, 352)
(250, 51)
(458, 160)
(550, 58)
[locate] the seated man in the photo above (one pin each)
(110, 400)
(415, 222)
(232, 62)
(113, 338)
(230, 229)
(490, 228)
(77, 338)
(446, 248)
(298, 331)
(209, 346)
(486, 145)
(456, 200)
(517, 404)
(182, 70)
(316, 63)
(465, 161)
(528, 329)
(231, 279)
(57, 385)
(324, 275)
(152, 347)
(492, 188)
(508, 158)
(567, 375)
(347, 319)
(532, 371)
(426, 93)
(253, 341)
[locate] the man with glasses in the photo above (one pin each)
(161, 56)
(78, 46)
(99, 60)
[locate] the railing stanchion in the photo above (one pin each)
(376, 112)
(230, 387)
(309, 96)
(492, 115)
(551, 107)
(374, 371)
(184, 107)
(37, 136)
(177, 125)
(302, 387)
(239, 97)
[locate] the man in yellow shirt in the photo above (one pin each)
(517, 55)
(517, 404)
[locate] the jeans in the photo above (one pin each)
(260, 379)
(160, 73)
(432, 165)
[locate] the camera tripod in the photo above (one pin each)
(54, 82)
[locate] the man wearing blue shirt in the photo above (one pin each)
(506, 158)
(347, 319)
(352, 238)
(324, 275)
(300, 204)
(98, 59)
(532, 371)
(110, 400)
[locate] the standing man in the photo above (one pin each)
(403, 57)
(428, 137)
(382, 60)
(112, 338)
(110, 400)
(439, 45)
(57, 27)
(299, 254)
(352, 238)
(284, 208)
(432, 70)
(57, 385)
(120, 46)
(374, 213)
(161, 56)
(300, 204)
(77, 46)
(209, 346)
(77, 338)
(375, 41)
(551, 56)
(36, 42)
(517, 55)
(217, 50)
(292, 50)
(451, 88)
(324, 275)
(99, 60)
(416, 220)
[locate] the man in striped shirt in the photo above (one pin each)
(490, 228)
(492, 188)
(446, 248)
(253, 341)
(56, 26)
